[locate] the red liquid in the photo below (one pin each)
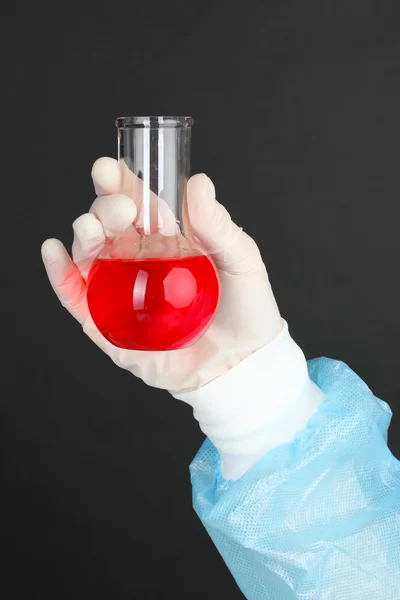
(153, 303)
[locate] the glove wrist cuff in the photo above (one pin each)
(260, 403)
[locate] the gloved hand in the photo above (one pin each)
(247, 318)
(279, 395)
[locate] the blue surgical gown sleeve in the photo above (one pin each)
(317, 518)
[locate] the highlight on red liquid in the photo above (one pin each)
(153, 303)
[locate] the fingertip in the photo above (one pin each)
(200, 186)
(51, 248)
(65, 278)
(106, 175)
(201, 200)
(87, 226)
(125, 208)
(116, 212)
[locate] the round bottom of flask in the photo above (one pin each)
(153, 303)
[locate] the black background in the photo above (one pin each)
(296, 108)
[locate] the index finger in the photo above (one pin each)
(110, 177)
(106, 176)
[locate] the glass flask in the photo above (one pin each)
(153, 287)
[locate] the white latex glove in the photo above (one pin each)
(245, 378)
(247, 317)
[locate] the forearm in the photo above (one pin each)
(321, 509)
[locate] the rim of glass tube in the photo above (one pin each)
(153, 122)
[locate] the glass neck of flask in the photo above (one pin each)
(154, 154)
